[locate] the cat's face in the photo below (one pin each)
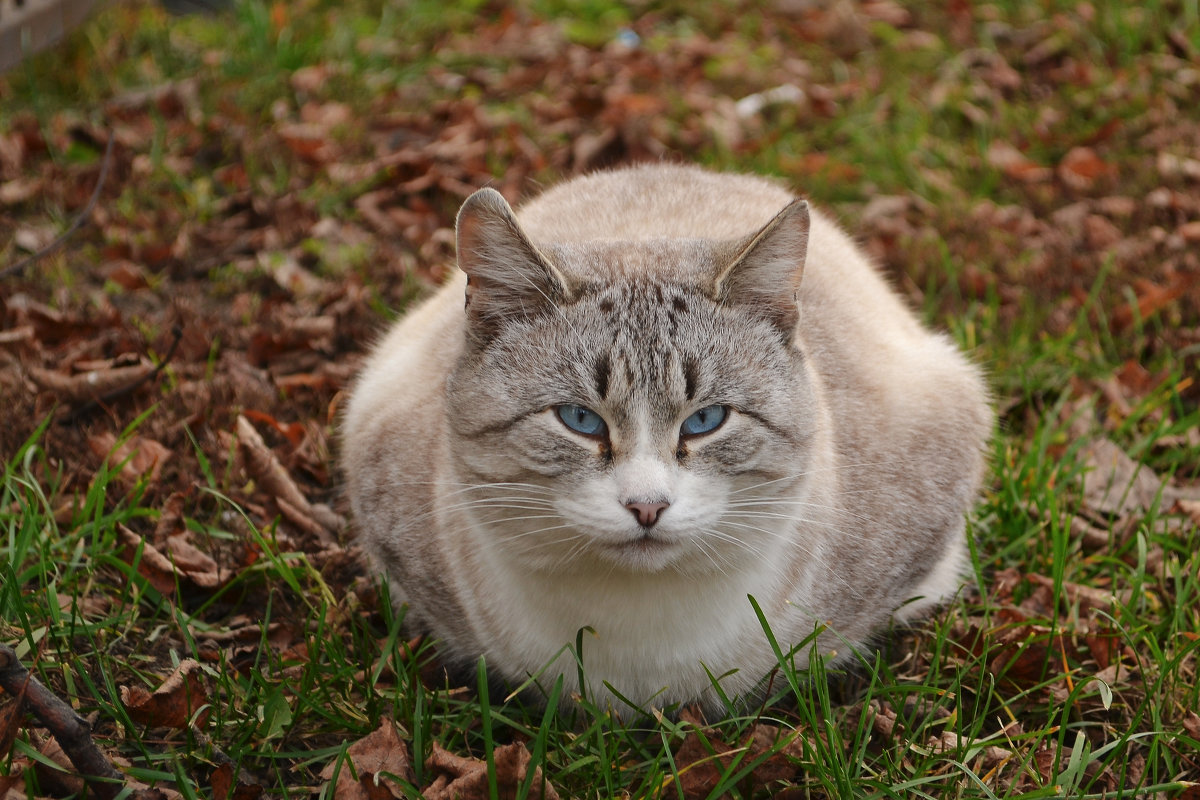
(636, 423)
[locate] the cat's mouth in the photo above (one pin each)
(646, 552)
(644, 542)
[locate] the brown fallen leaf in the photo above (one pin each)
(196, 565)
(784, 749)
(170, 517)
(1191, 508)
(18, 335)
(303, 519)
(1116, 485)
(151, 564)
(10, 723)
(273, 479)
(1110, 477)
(1191, 724)
(88, 386)
(1171, 166)
(226, 787)
(308, 141)
(1078, 594)
(459, 778)
(1020, 648)
(174, 703)
(702, 759)
(12, 785)
(1015, 164)
(1081, 167)
(883, 718)
(1104, 645)
(19, 190)
(55, 773)
(377, 762)
(1151, 298)
(127, 274)
(183, 561)
(134, 458)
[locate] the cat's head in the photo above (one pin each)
(641, 405)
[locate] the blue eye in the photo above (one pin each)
(706, 420)
(581, 420)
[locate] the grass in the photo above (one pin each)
(1004, 695)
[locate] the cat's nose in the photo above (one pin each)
(646, 513)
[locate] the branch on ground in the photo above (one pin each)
(68, 728)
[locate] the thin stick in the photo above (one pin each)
(71, 730)
(75, 225)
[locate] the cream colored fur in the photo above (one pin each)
(834, 493)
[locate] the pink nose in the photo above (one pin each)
(646, 513)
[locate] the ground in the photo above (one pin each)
(274, 183)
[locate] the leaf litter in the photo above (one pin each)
(276, 294)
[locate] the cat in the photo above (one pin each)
(650, 395)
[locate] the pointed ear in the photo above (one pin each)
(764, 272)
(507, 276)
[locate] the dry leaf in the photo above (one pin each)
(1081, 167)
(174, 703)
(127, 274)
(10, 723)
(17, 335)
(1153, 297)
(1191, 508)
(378, 761)
(195, 564)
(459, 778)
(883, 718)
(12, 786)
(184, 562)
(1172, 166)
(780, 765)
(308, 141)
(225, 787)
(702, 758)
(151, 564)
(1015, 164)
(310, 79)
(19, 190)
(90, 385)
(55, 773)
(1191, 724)
(273, 479)
(170, 517)
(1114, 484)
(1077, 593)
(137, 457)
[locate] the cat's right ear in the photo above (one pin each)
(507, 276)
(764, 272)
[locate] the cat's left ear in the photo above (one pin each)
(507, 276)
(765, 270)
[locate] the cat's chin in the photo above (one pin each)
(643, 554)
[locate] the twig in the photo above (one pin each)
(75, 225)
(71, 730)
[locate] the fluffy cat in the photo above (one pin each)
(667, 390)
